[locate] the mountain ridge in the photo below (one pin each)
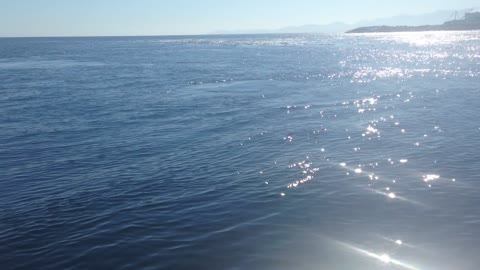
(431, 18)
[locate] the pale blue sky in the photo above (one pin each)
(168, 17)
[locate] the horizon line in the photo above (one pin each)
(174, 35)
(246, 32)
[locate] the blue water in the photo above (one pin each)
(241, 152)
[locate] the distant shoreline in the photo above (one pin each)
(392, 29)
(471, 21)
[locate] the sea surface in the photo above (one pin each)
(241, 152)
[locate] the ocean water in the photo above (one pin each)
(241, 152)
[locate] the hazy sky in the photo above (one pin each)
(165, 17)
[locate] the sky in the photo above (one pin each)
(20, 18)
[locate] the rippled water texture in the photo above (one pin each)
(241, 152)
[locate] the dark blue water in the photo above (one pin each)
(241, 152)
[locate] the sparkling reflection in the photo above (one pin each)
(430, 177)
(381, 257)
(393, 196)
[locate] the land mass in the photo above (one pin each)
(432, 18)
(471, 21)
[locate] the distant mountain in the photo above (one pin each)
(437, 17)
(470, 21)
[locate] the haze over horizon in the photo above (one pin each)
(27, 18)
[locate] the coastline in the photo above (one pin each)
(471, 21)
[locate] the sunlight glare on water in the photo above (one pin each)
(241, 152)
